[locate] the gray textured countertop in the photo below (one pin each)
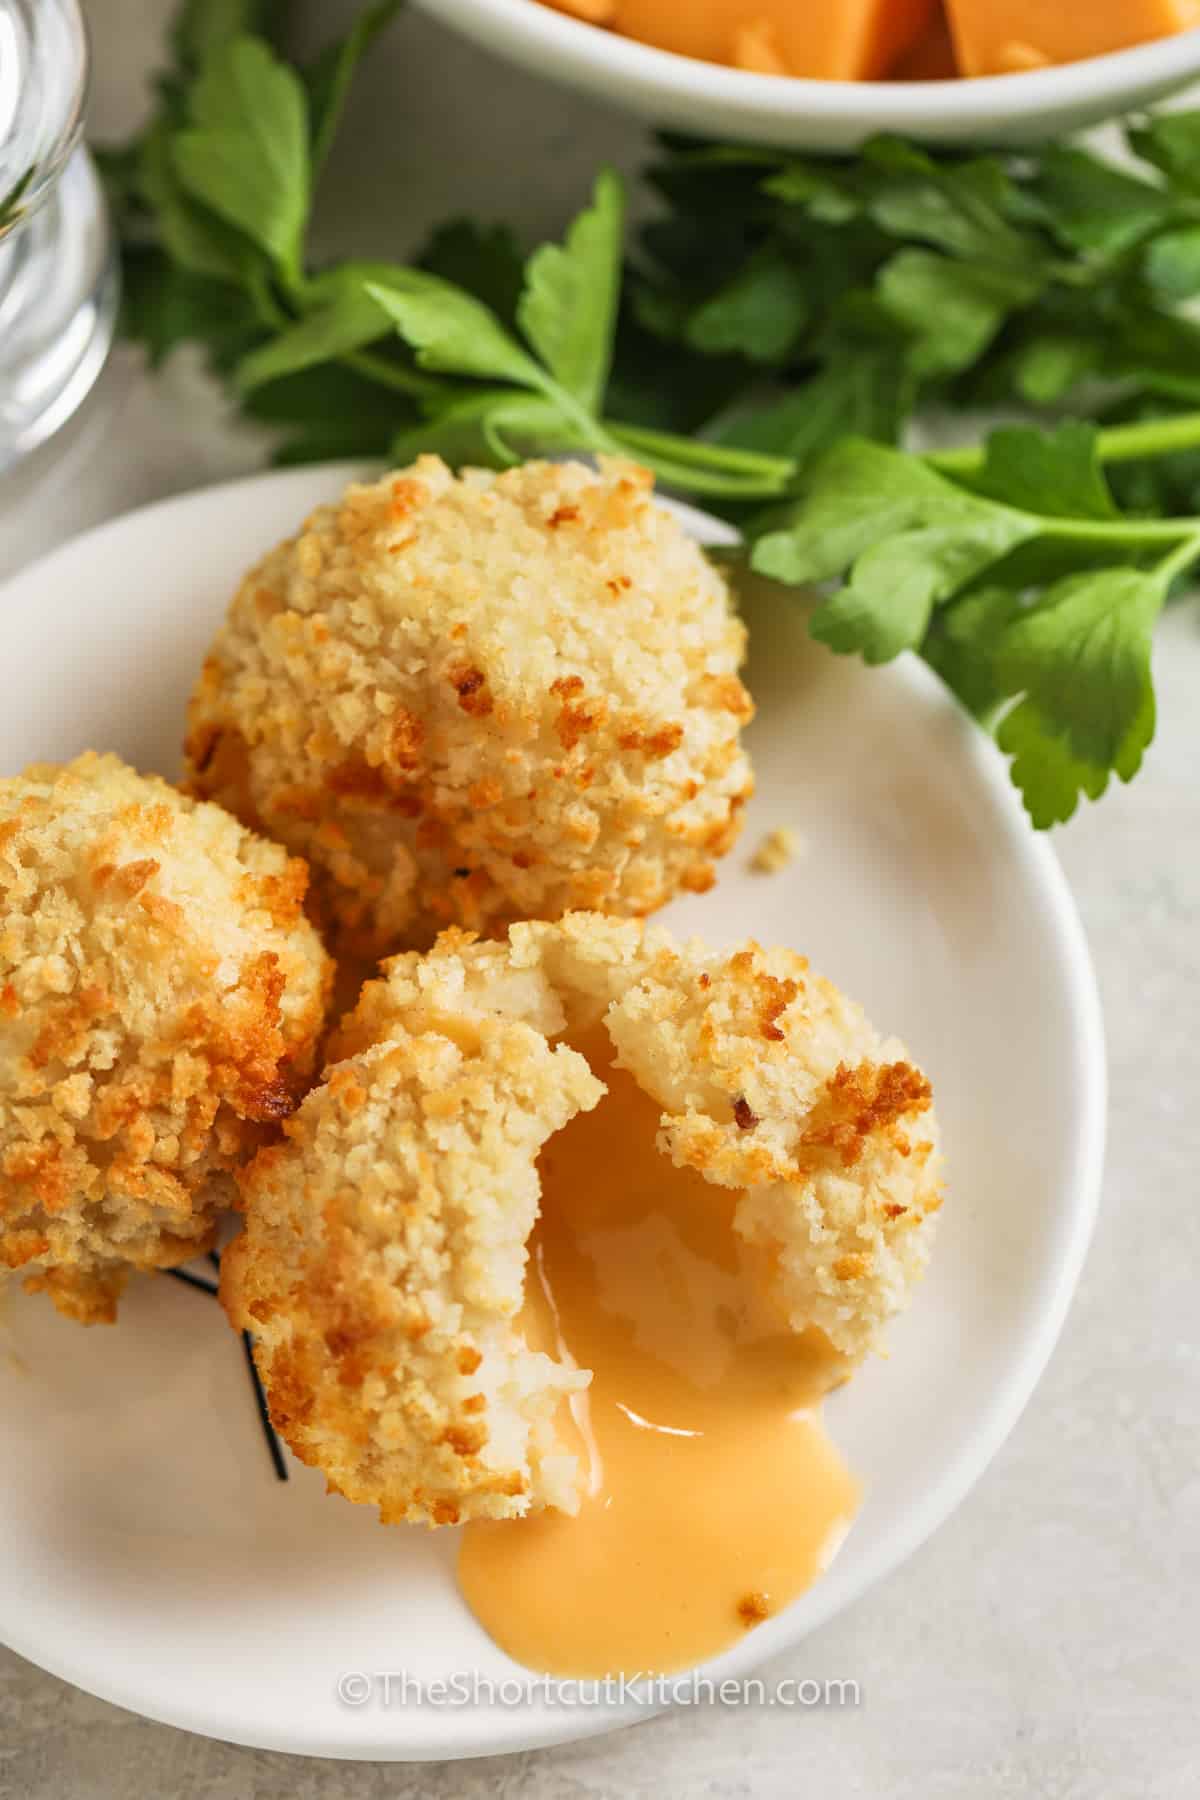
(1047, 1641)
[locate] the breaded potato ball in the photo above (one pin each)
(161, 994)
(382, 1260)
(469, 700)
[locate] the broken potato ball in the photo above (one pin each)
(161, 996)
(481, 698)
(383, 1260)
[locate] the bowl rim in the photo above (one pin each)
(533, 25)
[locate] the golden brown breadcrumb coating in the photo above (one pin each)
(161, 994)
(481, 698)
(382, 1258)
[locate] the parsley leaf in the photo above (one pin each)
(1082, 655)
(1172, 264)
(1093, 207)
(857, 394)
(455, 334)
(245, 154)
(760, 313)
(1050, 778)
(907, 538)
(963, 208)
(963, 642)
(194, 237)
(1049, 472)
(862, 493)
(569, 305)
(1049, 363)
(950, 310)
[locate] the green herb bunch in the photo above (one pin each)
(214, 202)
(781, 323)
(899, 278)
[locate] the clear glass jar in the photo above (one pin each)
(58, 278)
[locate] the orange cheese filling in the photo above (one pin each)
(712, 1495)
(1008, 37)
(832, 40)
(872, 40)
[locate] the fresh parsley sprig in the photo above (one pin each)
(1016, 575)
(1044, 278)
(796, 310)
(216, 200)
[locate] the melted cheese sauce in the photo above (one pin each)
(712, 1494)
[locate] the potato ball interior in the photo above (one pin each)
(384, 1260)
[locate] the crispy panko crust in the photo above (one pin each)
(382, 1258)
(161, 995)
(478, 699)
(382, 1263)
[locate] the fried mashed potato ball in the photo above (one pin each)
(469, 700)
(161, 994)
(382, 1260)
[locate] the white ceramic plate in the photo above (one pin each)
(708, 100)
(148, 1554)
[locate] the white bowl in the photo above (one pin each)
(710, 101)
(148, 1554)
